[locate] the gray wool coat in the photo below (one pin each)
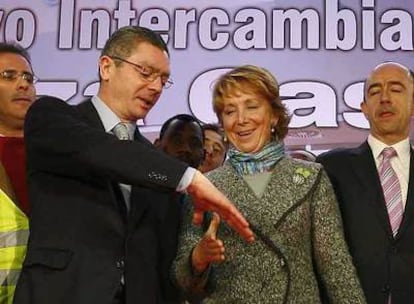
(299, 244)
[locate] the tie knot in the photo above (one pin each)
(388, 153)
(121, 131)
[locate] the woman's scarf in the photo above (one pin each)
(262, 161)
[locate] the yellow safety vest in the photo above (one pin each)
(14, 233)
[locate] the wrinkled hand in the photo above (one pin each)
(206, 197)
(209, 249)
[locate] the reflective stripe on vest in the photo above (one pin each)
(9, 277)
(14, 233)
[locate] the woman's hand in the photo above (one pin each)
(209, 249)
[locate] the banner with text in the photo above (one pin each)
(320, 52)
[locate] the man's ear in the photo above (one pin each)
(364, 107)
(412, 106)
(105, 66)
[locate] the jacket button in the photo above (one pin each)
(394, 249)
(386, 288)
(120, 264)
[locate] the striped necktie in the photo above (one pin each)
(391, 189)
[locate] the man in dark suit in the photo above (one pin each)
(94, 235)
(374, 186)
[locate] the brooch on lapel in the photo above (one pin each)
(300, 175)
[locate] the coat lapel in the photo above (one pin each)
(409, 206)
(288, 186)
(364, 167)
(89, 113)
(91, 117)
(140, 198)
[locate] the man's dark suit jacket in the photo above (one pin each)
(384, 263)
(81, 240)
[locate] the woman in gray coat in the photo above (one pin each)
(299, 255)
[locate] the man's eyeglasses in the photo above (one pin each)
(12, 75)
(147, 73)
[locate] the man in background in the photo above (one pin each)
(374, 185)
(181, 136)
(17, 93)
(215, 147)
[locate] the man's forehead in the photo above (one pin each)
(151, 53)
(12, 60)
(183, 125)
(214, 137)
(391, 71)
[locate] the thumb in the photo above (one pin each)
(214, 224)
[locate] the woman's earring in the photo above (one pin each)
(225, 138)
(272, 130)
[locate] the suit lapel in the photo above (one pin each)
(90, 114)
(409, 207)
(139, 137)
(91, 117)
(364, 167)
(140, 198)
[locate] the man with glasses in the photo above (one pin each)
(17, 93)
(95, 184)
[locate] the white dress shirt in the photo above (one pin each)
(400, 163)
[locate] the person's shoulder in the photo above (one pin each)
(49, 103)
(302, 167)
(337, 153)
(295, 162)
(218, 173)
(49, 100)
(301, 175)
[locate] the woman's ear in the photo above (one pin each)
(274, 121)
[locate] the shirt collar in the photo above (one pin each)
(109, 118)
(402, 147)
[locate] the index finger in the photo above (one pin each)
(237, 222)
